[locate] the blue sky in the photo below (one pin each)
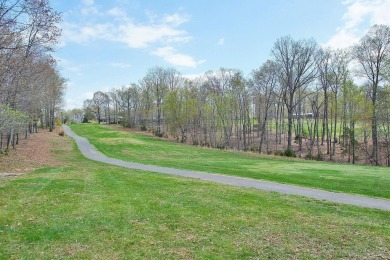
(110, 43)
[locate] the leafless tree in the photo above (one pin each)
(155, 81)
(372, 54)
(263, 84)
(99, 104)
(297, 65)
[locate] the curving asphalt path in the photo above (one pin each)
(90, 152)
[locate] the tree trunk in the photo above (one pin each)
(1, 143)
(10, 139)
(290, 111)
(374, 128)
(289, 128)
(335, 127)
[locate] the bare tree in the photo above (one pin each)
(29, 80)
(324, 69)
(28, 25)
(372, 54)
(337, 76)
(296, 61)
(155, 80)
(173, 78)
(99, 102)
(219, 86)
(264, 82)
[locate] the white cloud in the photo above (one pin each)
(88, 2)
(359, 16)
(342, 39)
(176, 19)
(170, 55)
(141, 36)
(83, 34)
(118, 13)
(150, 35)
(221, 41)
(356, 13)
(124, 30)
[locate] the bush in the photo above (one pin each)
(58, 122)
(143, 128)
(221, 147)
(289, 153)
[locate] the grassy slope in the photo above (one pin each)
(364, 180)
(90, 210)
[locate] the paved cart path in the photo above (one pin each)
(90, 152)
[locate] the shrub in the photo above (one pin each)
(143, 128)
(221, 147)
(289, 153)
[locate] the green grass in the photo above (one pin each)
(136, 147)
(86, 209)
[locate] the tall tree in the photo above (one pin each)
(264, 82)
(372, 54)
(155, 81)
(324, 69)
(296, 61)
(338, 77)
(99, 101)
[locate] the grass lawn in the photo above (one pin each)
(85, 209)
(142, 148)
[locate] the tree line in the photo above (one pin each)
(308, 101)
(31, 87)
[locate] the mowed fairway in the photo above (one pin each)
(113, 141)
(86, 209)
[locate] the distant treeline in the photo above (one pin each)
(304, 101)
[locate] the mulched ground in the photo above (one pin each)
(30, 154)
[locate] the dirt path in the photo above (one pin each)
(90, 152)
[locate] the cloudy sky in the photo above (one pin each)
(110, 43)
